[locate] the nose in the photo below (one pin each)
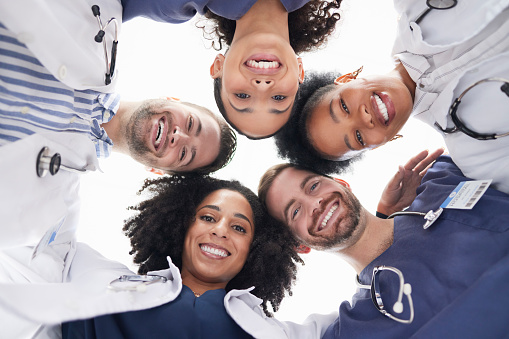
(314, 205)
(220, 229)
(365, 117)
(177, 136)
(263, 83)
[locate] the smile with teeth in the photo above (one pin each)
(381, 107)
(214, 251)
(262, 64)
(328, 216)
(159, 135)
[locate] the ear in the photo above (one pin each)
(342, 182)
(216, 69)
(303, 249)
(301, 70)
(344, 79)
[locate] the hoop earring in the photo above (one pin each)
(348, 77)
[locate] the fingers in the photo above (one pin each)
(430, 159)
(413, 162)
(423, 166)
(423, 160)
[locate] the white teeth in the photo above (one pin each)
(327, 217)
(381, 107)
(262, 64)
(159, 133)
(215, 251)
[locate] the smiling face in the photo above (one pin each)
(321, 212)
(218, 241)
(173, 136)
(361, 114)
(260, 77)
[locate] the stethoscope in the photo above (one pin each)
(435, 4)
(99, 37)
(376, 295)
(51, 163)
(460, 126)
(142, 282)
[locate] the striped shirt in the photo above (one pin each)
(32, 100)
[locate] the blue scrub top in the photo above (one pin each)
(178, 11)
(457, 269)
(184, 317)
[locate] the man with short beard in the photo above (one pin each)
(448, 280)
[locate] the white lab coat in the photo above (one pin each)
(86, 295)
(60, 33)
(32, 209)
(448, 51)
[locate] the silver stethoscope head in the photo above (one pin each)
(51, 163)
(459, 126)
(435, 4)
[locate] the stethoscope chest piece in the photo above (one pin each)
(431, 217)
(46, 163)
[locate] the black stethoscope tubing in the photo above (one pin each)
(435, 4)
(99, 37)
(460, 126)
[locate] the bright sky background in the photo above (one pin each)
(156, 59)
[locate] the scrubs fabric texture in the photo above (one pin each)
(184, 317)
(452, 267)
(178, 11)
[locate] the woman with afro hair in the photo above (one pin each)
(256, 81)
(211, 253)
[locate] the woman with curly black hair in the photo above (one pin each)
(292, 141)
(222, 244)
(257, 80)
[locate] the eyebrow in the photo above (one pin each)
(193, 150)
(250, 110)
(277, 111)
(336, 120)
(244, 110)
(292, 201)
(347, 142)
(198, 129)
(331, 112)
(238, 215)
(193, 155)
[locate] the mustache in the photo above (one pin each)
(317, 213)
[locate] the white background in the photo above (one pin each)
(156, 59)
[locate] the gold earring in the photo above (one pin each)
(397, 136)
(348, 77)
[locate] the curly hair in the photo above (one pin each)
(292, 141)
(159, 228)
(309, 26)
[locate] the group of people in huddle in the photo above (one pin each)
(215, 260)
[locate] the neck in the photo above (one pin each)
(401, 72)
(115, 128)
(374, 240)
(265, 16)
(199, 287)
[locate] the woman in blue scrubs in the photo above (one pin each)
(223, 243)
